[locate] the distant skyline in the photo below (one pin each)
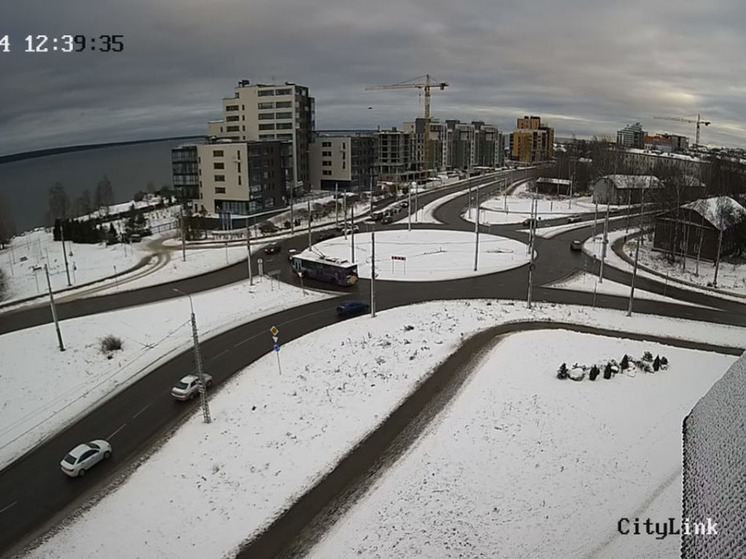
(586, 68)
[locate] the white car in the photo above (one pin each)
(84, 456)
(188, 387)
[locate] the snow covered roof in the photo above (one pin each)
(725, 207)
(634, 181)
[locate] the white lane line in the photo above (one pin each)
(221, 353)
(142, 410)
(9, 506)
(115, 432)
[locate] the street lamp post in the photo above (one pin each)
(248, 250)
(54, 309)
(373, 272)
(198, 360)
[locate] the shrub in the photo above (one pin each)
(110, 343)
(267, 227)
(647, 356)
(562, 372)
(594, 373)
(625, 363)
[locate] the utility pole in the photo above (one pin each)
(64, 252)
(476, 233)
(370, 212)
(373, 272)
(634, 274)
(309, 224)
(603, 248)
(248, 250)
(717, 256)
(531, 264)
(54, 310)
(183, 235)
(409, 208)
(352, 232)
(295, 172)
(198, 360)
(336, 205)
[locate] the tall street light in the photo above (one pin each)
(198, 359)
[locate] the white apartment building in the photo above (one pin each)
(271, 112)
(346, 162)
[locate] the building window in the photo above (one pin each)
(270, 126)
(269, 105)
(219, 178)
(266, 92)
(218, 165)
(266, 136)
(326, 144)
(219, 190)
(284, 125)
(283, 115)
(284, 104)
(326, 163)
(326, 173)
(217, 153)
(232, 128)
(266, 116)
(283, 91)
(232, 118)
(239, 179)
(284, 136)
(239, 168)
(326, 153)
(231, 108)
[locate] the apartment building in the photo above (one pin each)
(531, 141)
(346, 161)
(241, 178)
(631, 136)
(395, 157)
(271, 112)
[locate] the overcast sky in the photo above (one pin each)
(586, 67)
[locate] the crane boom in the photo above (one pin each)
(698, 122)
(425, 86)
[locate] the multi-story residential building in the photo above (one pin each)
(395, 160)
(631, 136)
(240, 178)
(531, 142)
(416, 129)
(185, 173)
(489, 148)
(658, 143)
(271, 112)
(343, 160)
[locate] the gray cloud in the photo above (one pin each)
(586, 67)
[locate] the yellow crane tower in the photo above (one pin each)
(690, 121)
(423, 85)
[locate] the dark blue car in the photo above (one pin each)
(352, 308)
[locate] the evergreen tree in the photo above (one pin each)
(657, 363)
(112, 237)
(625, 363)
(562, 371)
(607, 371)
(594, 373)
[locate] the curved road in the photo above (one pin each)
(32, 490)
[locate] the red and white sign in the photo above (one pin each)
(399, 258)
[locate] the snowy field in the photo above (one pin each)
(430, 255)
(525, 465)
(589, 282)
(731, 276)
(594, 245)
(44, 390)
(211, 487)
(90, 262)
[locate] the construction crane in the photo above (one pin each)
(424, 85)
(690, 121)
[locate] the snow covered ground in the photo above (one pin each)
(525, 465)
(589, 282)
(594, 246)
(90, 262)
(212, 486)
(430, 255)
(44, 390)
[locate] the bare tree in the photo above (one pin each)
(7, 227)
(104, 195)
(59, 203)
(84, 205)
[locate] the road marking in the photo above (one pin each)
(221, 353)
(9, 506)
(142, 410)
(115, 432)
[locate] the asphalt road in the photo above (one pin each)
(33, 492)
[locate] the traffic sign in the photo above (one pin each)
(276, 347)
(274, 339)
(274, 331)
